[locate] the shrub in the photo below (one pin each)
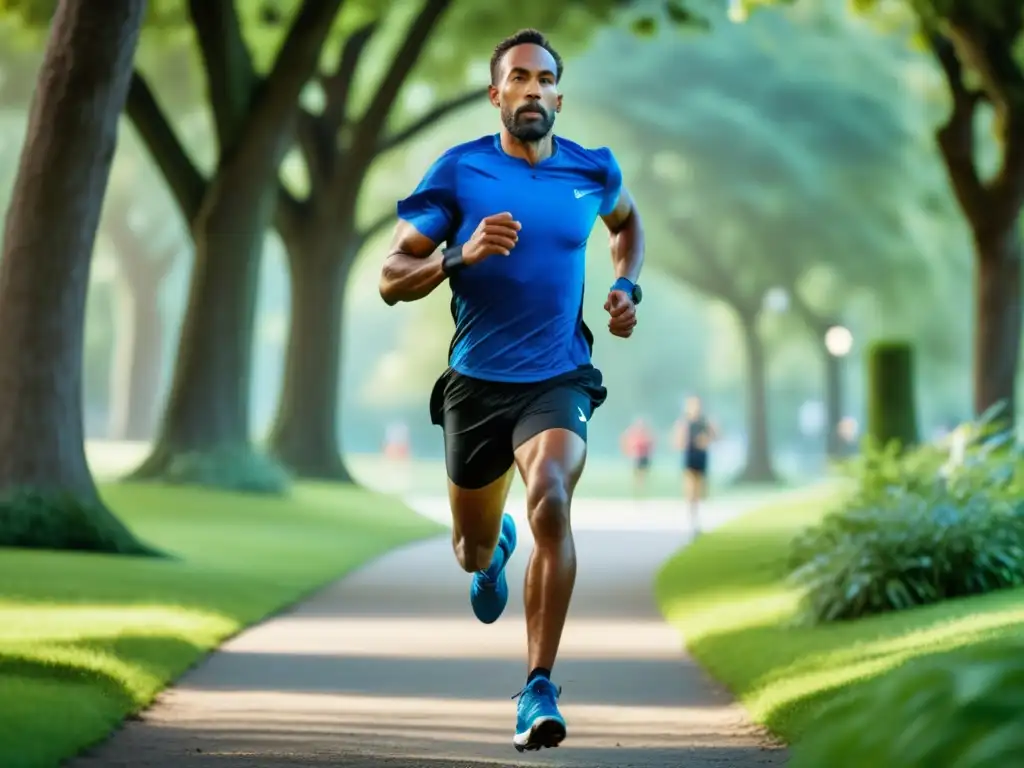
(230, 468)
(917, 530)
(892, 410)
(963, 709)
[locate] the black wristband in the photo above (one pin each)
(451, 260)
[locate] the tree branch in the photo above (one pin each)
(318, 151)
(370, 126)
(230, 75)
(186, 183)
(377, 226)
(297, 59)
(136, 260)
(431, 117)
(318, 134)
(289, 214)
(338, 85)
(817, 324)
(706, 276)
(956, 137)
(989, 50)
(164, 262)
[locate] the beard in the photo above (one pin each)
(528, 129)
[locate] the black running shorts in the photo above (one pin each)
(485, 421)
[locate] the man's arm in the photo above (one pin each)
(627, 238)
(413, 267)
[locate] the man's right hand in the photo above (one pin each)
(495, 235)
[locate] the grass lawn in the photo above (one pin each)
(727, 595)
(87, 639)
(604, 478)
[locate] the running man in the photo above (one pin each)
(694, 434)
(638, 444)
(514, 211)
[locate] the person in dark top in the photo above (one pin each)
(694, 434)
(515, 211)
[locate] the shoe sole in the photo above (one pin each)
(545, 733)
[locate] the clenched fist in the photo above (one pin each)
(622, 312)
(495, 235)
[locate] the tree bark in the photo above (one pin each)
(758, 467)
(997, 331)
(305, 433)
(138, 357)
(48, 242)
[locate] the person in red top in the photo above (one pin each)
(638, 444)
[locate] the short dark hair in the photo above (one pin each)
(523, 37)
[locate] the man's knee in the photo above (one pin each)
(547, 501)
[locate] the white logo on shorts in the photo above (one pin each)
(582, 192)
(582, 415)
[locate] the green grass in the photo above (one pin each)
(604, 478)
(728, 597)
(87, 639)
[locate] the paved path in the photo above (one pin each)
(388, 668)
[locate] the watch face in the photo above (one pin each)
(637, 294)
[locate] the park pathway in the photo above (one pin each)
(388, 669)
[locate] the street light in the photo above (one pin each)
(838, 341)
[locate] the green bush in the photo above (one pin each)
(892, 408)
(917, 530)
(229, 468)
(963, 709)
(37, 520)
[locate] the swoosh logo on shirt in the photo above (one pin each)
(578, 193)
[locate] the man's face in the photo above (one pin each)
(526, 92)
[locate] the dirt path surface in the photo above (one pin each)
(389, 668)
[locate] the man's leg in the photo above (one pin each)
(476, 521)
(484, 538)
(479, 459)
(550, 458)
(551, 464)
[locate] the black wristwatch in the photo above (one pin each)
(629, 288)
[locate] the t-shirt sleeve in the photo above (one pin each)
(612, 184)
(431, 208)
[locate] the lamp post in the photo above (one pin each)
(838, 342)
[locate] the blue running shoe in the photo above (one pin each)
(488, 594)
(539, 724)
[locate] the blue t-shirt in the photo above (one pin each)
(518, 318)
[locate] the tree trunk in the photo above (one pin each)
(44, 276)
(204, 438)
(305, 433)
(998, 322)
(834, 445)
(758, 467)
(208, 405)
(138, 356)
